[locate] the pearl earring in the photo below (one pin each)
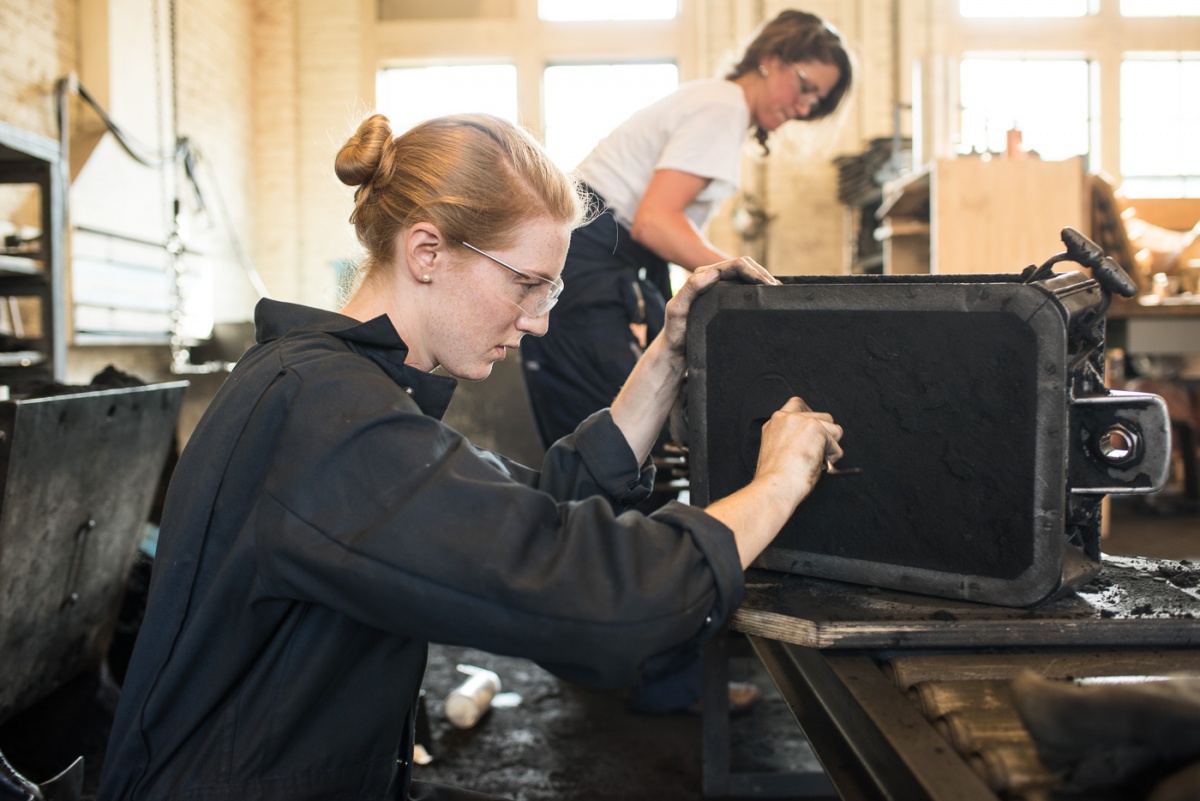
(762, 68)
(425, 278)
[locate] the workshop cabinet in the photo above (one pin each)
(970, 215)
(32, 318)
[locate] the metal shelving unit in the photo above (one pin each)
(33, 345)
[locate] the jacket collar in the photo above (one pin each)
(376, 339)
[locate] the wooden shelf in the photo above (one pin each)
(967, 215)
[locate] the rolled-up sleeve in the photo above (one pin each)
(596, 460)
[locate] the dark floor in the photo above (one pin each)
(545, 739)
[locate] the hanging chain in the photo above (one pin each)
(181, 357)
(167, 177)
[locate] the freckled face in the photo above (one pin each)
(476, 320)
(792, 91)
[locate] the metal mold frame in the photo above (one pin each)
(1057, 563)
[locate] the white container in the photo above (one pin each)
(468, 702)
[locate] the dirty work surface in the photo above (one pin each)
(560, 742)
(565, 743)
(1133, 601)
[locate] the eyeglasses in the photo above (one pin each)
(534, 295)
(809, 90)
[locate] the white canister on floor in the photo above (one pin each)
(468, 702)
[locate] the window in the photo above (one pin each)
(1141, 94)
(1047, 100)
(1160, 114)
(567, 83)
(1025, 8)
(585, 102)
(1160, 8)
(412, 94)
(594, 10)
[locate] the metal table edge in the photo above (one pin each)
(855, 719)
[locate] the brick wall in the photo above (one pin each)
(276, 126)
(124, 60)
(39, 45)
(329, 105)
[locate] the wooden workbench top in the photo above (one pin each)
(1133, 602)
(1123, 309)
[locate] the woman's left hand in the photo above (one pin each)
(641, 407)
(743, 269)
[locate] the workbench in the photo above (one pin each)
(906, 696)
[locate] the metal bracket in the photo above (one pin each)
(1121, 444)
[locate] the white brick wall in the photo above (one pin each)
(39, 45)
(329, 107)
(276, 127)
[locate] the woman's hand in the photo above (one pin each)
(743, 269)
(796, 442)
(641, 407)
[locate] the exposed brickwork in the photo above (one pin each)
(329, 108)
(39, 44)
(276, 159)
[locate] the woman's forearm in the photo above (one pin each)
(674, 237)
(661, 222)
(795, 444)
(755, 514)
(641, 408)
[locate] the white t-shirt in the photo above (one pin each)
(698, 129)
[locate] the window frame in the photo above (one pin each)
(676, 3)
(1026, 58)
(531, 44)
(1103, 38)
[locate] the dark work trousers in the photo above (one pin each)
(610, 281)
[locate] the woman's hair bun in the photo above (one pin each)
(360, 158)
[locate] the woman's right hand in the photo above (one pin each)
(796, 445)
(796, 442)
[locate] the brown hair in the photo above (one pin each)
(475, 176)
(796, 36)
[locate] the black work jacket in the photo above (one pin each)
(323, 525)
